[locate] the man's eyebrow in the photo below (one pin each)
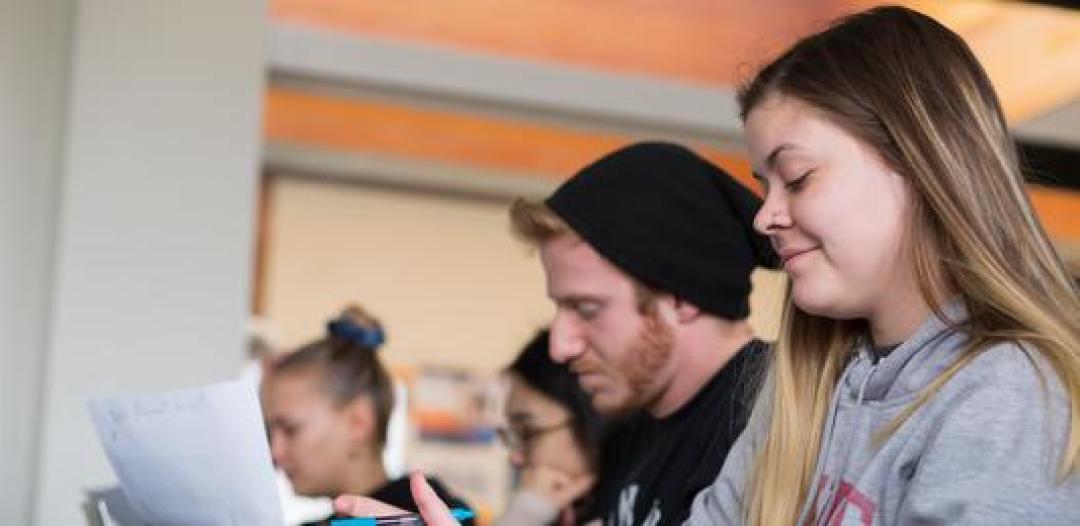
(576, 298)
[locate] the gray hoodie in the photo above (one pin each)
(984, 450)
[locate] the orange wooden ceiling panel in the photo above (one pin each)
(1032, 53)
(1059, 211)
(352, 125)
(698, 41)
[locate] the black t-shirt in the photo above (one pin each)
(652, 468)
(398, 493)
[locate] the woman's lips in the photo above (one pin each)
(788, 256)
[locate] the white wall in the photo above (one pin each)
(155, 232)
(442, 273)
(33, 63)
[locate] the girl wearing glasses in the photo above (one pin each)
(553, 435)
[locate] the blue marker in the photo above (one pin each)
(406, 519)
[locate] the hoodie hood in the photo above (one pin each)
(907, 370)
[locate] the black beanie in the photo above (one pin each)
(672, 220)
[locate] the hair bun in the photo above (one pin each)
(357, 326)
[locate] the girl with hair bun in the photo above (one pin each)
(327, 406)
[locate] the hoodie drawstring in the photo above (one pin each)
(827, 442)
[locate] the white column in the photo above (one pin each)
(155, 230)
(34, 49)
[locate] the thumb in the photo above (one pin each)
(575, 488)
(357, 506)
(432, 508)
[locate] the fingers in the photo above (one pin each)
(576, 487)
(557, 487)
(432, 508)
(356, 506)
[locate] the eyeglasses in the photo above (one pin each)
(519, 439)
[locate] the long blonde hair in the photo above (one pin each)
(910, 88)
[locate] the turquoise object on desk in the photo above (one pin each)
(460, 514)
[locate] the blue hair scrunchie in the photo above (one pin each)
(362, 336)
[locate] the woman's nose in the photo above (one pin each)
(773, 214)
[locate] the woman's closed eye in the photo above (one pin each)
(799, 182)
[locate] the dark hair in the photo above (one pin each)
(555, 381)
(348, 363)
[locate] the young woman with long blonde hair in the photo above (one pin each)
(928, 369)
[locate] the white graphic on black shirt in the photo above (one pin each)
(627, 497)
(653, 518)
(627, 500)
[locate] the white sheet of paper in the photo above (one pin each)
(191, 457)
